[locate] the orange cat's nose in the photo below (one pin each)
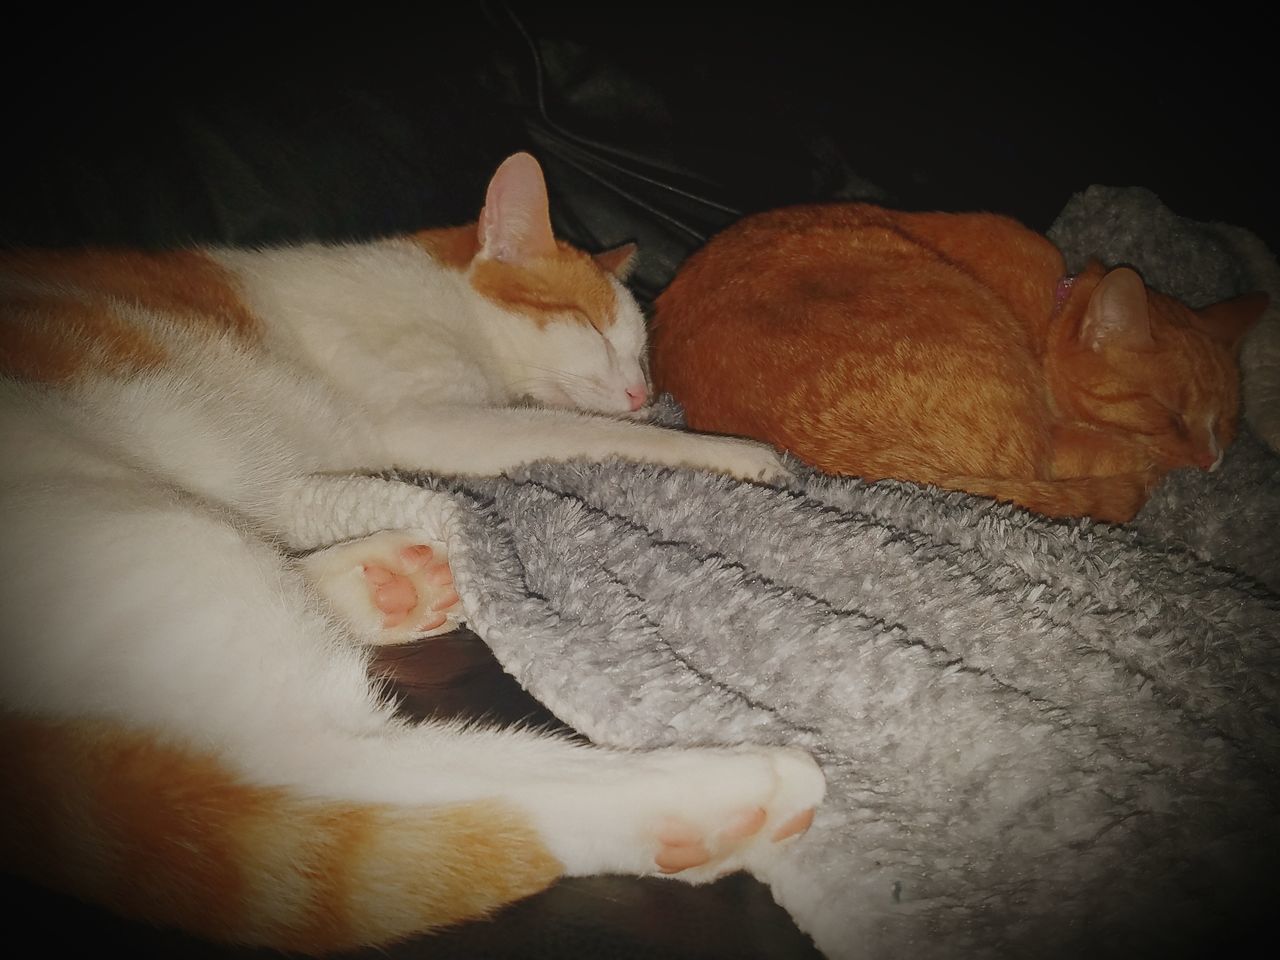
(1210, 460)
(637, 395)
(1209, 456)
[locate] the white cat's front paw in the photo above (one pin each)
(749, 460)
(696, 814)
(392, 587)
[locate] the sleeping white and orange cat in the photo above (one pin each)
(190, 734)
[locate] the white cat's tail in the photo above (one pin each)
(164, 834)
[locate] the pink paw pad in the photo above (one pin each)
(391, 588)
(417, 594)
(683, 846)
(392, 593)
(421, 590)
(797, 825)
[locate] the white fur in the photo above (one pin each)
(144, 517)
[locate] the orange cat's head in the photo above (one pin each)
(1132, 359)
(564, 328)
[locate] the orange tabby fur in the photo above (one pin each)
(948, 349)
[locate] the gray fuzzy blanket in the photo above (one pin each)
(1041, 738)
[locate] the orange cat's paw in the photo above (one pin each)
(392, 587)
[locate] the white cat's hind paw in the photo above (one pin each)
(694, 814)
(701, 848)
(392, 587)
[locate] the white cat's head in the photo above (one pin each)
(567, 332)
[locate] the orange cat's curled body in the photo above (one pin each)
(949, 349)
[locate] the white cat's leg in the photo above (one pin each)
(697, 813)
(489, 441)
(391, 587)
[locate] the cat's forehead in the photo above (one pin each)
(569, 286)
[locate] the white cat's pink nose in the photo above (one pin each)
(637, 395)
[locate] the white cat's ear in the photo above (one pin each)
(619, 260)
(1117, 314)
(515, 225)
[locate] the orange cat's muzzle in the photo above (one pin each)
(1207, 452)
(1210, 460)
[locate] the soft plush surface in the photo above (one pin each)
(1040, 737)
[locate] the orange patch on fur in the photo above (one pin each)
(53, 340)
(67, 311)
(457, 863)
(570, 285)
(187, 283)
(126, 821)
(453, 247)
(170, 813)
(169, 835)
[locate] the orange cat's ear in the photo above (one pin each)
(515, 225)
(1230, 320)
(1117, 317)
(619, 260)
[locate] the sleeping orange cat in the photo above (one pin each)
(949, 349)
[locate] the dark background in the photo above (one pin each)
(246, 129)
